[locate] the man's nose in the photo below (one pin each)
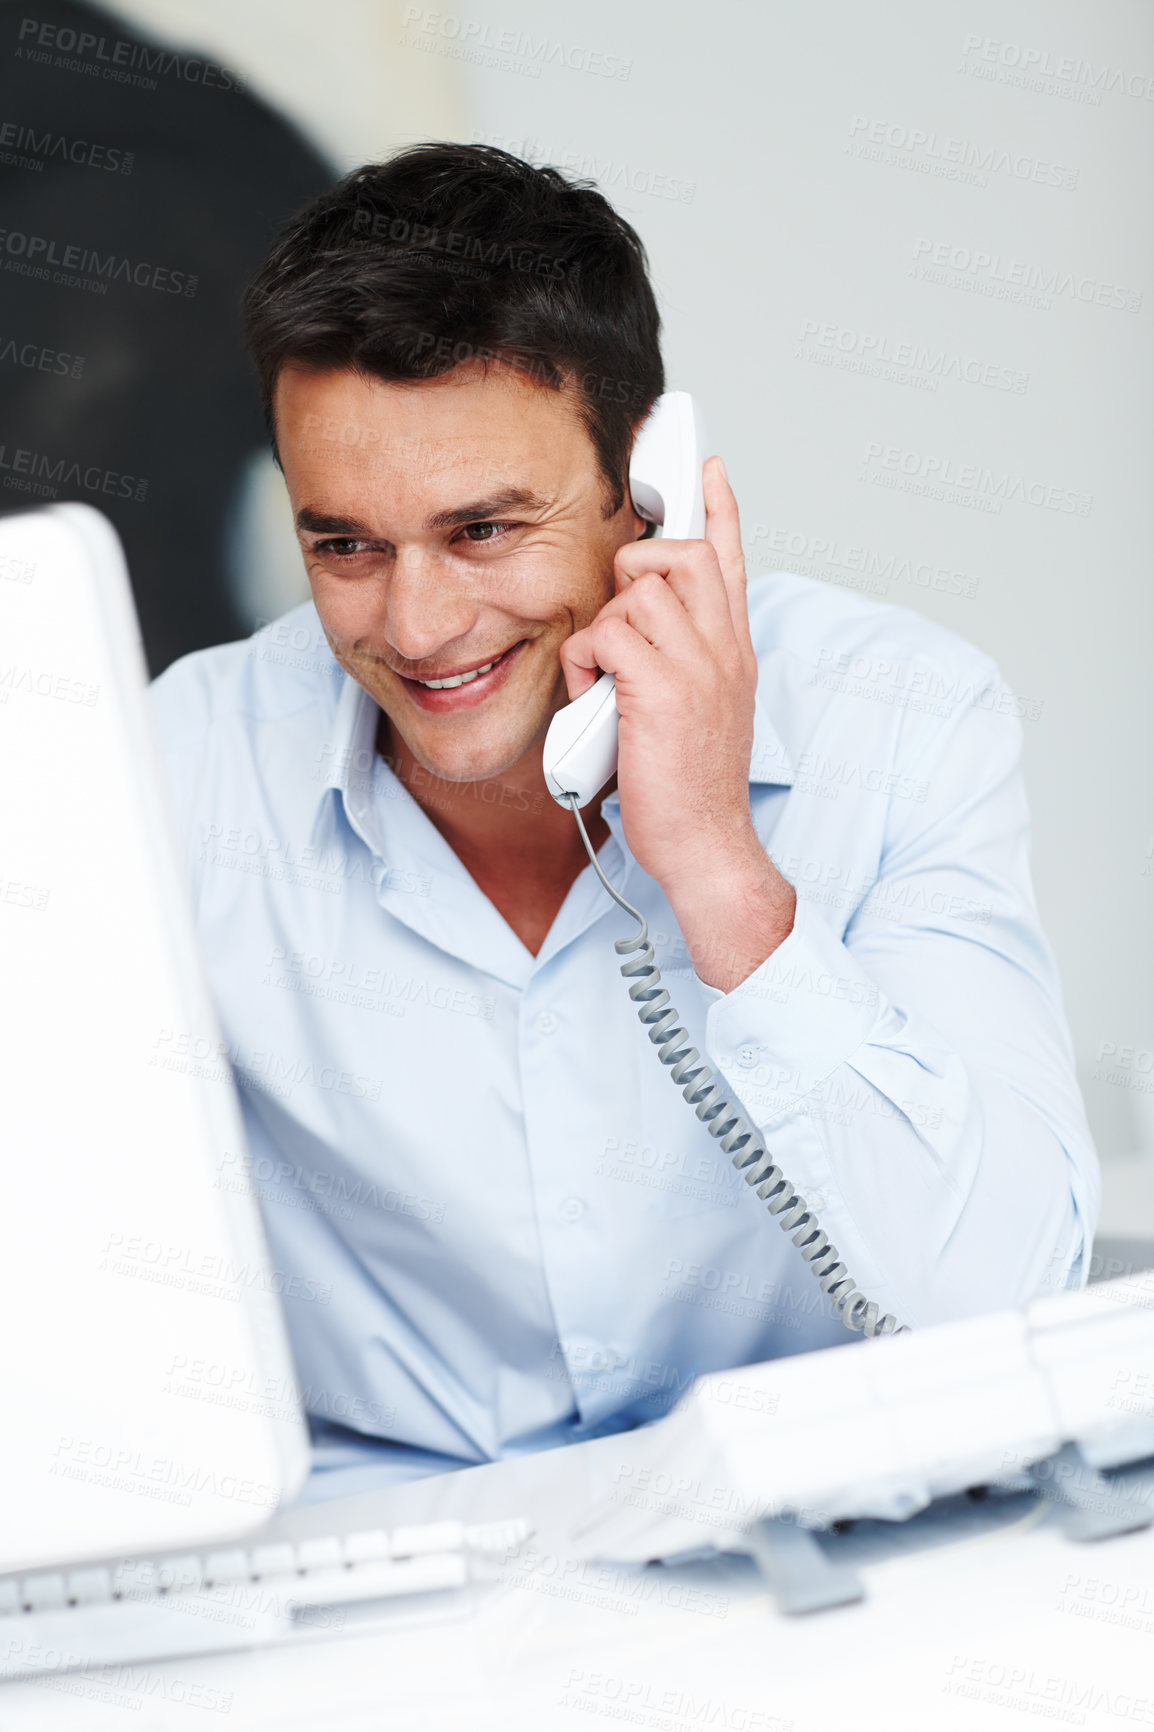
(426, 607)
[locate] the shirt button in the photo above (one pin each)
(747, 1056)
(545, 1023)
(571, 1209)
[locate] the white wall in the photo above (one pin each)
(333, 66)
(737, 138)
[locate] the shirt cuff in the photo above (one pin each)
(795, 1019)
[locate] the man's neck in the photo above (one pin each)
(521, 848)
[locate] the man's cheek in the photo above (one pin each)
(597, 588)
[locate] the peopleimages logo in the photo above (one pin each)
(32, 255)
(1015, 279)
(936, 153)
(458, 244)
(886, 357)
(115, 58)
(473, 40)
(971, 478)
(855, 565)
(987, 56)
(37, 357)
(30, 471)
(23, 147)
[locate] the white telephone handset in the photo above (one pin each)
(665, 486)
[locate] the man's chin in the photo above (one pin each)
(465, 761)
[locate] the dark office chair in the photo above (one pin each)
(164, 403)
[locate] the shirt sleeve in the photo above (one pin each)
(913, 1075)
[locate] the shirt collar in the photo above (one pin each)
(393, 825)
(352, 741)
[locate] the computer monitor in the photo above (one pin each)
(149, 1394)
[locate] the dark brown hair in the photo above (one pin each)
(453, 252)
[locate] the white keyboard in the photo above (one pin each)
(202, 1602)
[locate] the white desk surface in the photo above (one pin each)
(1017, 1627)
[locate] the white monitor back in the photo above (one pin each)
(148, 1394)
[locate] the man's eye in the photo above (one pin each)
(487, 531)
(340, 546)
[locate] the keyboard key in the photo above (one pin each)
(367, 1547)
(230, 1566)
(90, 1587)
(134, 1579)
(320, 1554)
(45, 1593)
(266, 1562)
(179, 1575)
(418, 1575)
(498, 1537)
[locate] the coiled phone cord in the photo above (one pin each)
(736, 1137)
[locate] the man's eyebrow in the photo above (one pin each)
(510, 499)
(324, 523)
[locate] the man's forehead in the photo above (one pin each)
(348, 407)
(358, 452)
(355, 453)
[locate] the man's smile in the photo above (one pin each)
(462, 687)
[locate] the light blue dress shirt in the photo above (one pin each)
(496, 1224)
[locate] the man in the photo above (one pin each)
(497, 1224)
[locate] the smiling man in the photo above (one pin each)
(497, 1225)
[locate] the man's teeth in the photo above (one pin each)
(458, 679)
